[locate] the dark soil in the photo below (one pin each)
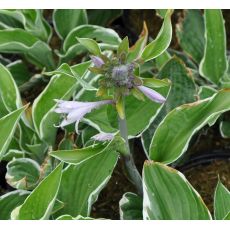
(204, 178)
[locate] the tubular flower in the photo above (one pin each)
(97, 61)
(103, 136)
(151, 94)
(75, 110)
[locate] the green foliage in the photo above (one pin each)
(131, 207)
(66, 20)
(71, 47)
(103, 17)
(77, 156)
(39, 204)
(180, 124)
(45, 55)
(190, 33)
(90, 45)
(183, 90)
(23, 173)
(162, 41)
(23, 42)
(8, 125)
(84, 182)
(136, 50)
(221, 202)
(225, 129)
(169, 196)
(10, 201)
(30, 20)
(69, 217)
(206, 91)
(8, 90)
(214, 63)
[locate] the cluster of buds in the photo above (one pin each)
(117, 75)
(118, 79)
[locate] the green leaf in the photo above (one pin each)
(21, 41)
(57, 206)
(103, 17)
(59, 87)
(136, 50)
(39, 204)
(182, 123)
(3, 109)
(13, 154)
(84, 182)
(188, 61)
(90, 45)
(225, 80)
(162, 41)
(16, 40)
(40, 54)
(227, 217)
(225, 129)
(161, 12)
(67, 19)
(183, 90)
(206, 91)
(124, 46)
(8, 125)
(28, 139)
(67, 143)
(11, 18)
(10, 201)
(86, 135)
(69, 217)
(72, 71)
(131, 207)
(19, 71)
(169, 196)
(35, 23)
(221, 202)
(29, 19)
(23, 173)
(190, 33)
(78, 156)
(162, 59)
(104, 35)
(149, 108)
(214, 63)
(9, 90)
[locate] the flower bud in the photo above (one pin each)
(97, 61)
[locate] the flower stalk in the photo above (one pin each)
(132, 172)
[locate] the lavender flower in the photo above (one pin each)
(151, 94)
(97, 61)
(103, 136)
(75, 110)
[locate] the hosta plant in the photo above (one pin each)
(100, 94)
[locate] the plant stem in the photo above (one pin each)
(132, 172)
